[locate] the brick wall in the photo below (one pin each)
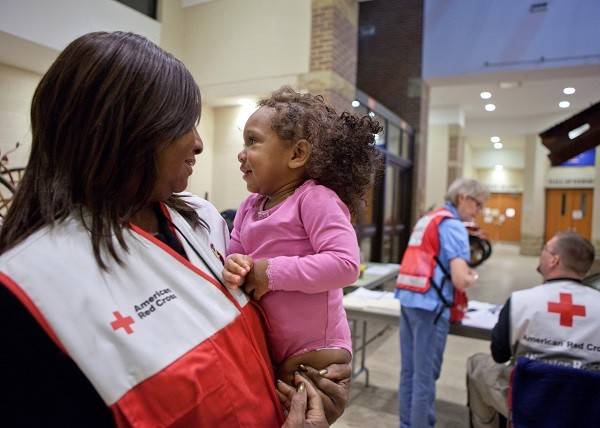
(390, 53)
(334, 40)
(389, 69)
(333, 53)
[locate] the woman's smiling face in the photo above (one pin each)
(175, 164)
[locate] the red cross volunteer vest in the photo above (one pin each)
(162, 341)
(557, 322)
(418, 263)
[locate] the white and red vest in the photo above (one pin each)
(557, 322)
(161, 340)
(418, 263)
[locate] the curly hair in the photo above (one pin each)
(343, 156)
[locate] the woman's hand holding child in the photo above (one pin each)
(257, 281)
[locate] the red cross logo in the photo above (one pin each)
(122, 322)
(566, 309)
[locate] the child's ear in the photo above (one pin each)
(300, 154)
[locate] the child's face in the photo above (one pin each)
(265, 157)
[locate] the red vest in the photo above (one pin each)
(160, 339)
(418, 263)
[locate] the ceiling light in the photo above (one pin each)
(498, 146)
(569, 91)
(499, 167)
(355, 103)
(564, 104)
(509, 85)
(371, 114)
(495, 139)
(574, 133)
(490, 107)
(485, 95)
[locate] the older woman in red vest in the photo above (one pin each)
(433, 267)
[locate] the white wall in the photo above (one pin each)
(172, 27)
(201, 181)
(16, 90)
(461, 35)
(53, 24)
(229, 188)
(489, 158)
(570, 177)
(468, 170)
(236, 48)
(56, 23)
(437, 165)
(504, 181)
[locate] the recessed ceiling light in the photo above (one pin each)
(485, 95)
(509, 85)
(564, 104)
(490, 107)
(498, 146)
(495, 139)
(355, 103)
(499, 167)
(569, 90)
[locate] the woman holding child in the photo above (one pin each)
(112, 303)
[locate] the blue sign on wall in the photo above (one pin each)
(587, 158)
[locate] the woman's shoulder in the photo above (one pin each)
(46, 241)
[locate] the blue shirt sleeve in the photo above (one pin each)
(454, 241)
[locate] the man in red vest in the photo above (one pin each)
(434, 263)
(556, 322)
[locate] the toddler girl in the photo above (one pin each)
(292, 246)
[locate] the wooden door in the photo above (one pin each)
(500, 218)
(569, 209)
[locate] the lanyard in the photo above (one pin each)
(217, 277)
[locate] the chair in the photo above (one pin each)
(546, 396)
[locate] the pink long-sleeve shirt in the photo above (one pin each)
(312, 254)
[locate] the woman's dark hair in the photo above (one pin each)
(343, 157)
(99, 116)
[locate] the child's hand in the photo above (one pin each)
(235, 270)
(257, 281)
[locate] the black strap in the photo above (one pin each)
(439, 289)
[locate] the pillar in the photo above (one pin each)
(534, 196)
(333, 52)
(456, 144)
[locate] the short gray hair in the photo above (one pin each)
(576, 253)
(467, 187)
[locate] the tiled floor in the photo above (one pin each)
(377, 405)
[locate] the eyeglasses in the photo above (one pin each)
(545, 248)
(478, 203)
